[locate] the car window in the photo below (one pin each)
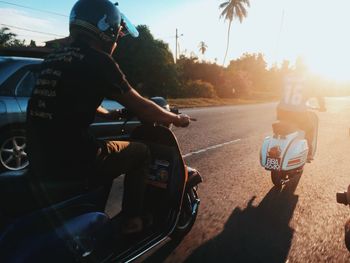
(7, 68)
(111, 104)
(27, 83)
(8, 87)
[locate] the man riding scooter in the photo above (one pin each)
(71, 86)
(293, 107)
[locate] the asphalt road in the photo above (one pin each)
(242, 218)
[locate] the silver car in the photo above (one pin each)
(17, 79)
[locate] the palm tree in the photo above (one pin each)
(233, 9)
(202, 47)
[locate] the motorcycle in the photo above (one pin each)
(344, 198)
(56, 220)
(285, 153)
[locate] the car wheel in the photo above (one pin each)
(13, 155)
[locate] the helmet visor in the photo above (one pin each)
(129, 27)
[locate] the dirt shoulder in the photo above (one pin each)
(205, 102)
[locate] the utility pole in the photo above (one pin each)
(176, 38)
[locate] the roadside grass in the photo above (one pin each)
(206, 102)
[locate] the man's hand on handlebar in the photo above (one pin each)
(183, 120)
(180, 120)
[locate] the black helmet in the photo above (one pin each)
(99, 18)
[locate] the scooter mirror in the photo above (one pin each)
(174, 110)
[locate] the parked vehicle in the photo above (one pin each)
(344, 198)
(17, 79)
(69, 223)
(285, 153)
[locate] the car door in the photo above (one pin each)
(26, 85)
(112, 130)
(12, 138)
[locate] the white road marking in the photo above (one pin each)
(210, 148)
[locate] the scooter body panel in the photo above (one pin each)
(295, 155)
(290, 151)
(162, 139)
(87, 220)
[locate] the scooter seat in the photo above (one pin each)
(72, 241)
(283, 128)
(21, 193)
(16, 195)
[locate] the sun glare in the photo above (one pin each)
(317, 35)
(334, 69)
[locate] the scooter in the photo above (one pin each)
(56, 220)
(285, 153)
(344, 198)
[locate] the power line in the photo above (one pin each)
(166, 37)
(278, 40)
(35, 9)
(34, 31)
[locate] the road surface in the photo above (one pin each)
(242, 218)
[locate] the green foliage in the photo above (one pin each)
(255, 67)
(192, 69)
(237, 84)
(199, 89)
(234, 9)
(32, 43)
(148, 64)
(234, 81)
(8, 39)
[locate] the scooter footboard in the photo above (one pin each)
(76, 239)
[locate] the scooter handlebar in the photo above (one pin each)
(174, 110)
(320, 109)
(342, 198)
(126, 114)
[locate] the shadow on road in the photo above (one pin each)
(255, 234)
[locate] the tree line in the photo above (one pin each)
(149, 66)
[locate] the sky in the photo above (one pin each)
(316, 30)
